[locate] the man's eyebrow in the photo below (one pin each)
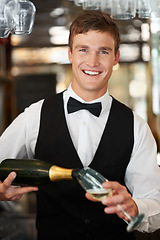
(106, 48)
(81, 46)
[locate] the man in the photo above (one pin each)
(112, 140)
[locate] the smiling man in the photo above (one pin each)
(84, 126)
(93, 57)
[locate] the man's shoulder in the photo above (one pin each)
(121, 107)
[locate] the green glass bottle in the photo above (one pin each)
(33, 172)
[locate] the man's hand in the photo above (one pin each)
(120, 197)
(9, 193)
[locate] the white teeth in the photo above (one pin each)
(91, 73)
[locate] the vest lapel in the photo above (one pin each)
(55, 138)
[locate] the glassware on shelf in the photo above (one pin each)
(106, 5)
(92, 181)
(143, 8)
(4, 28)
(78, 3)
(155, 9)
(123, 9)
(20, 15)
(91, 4)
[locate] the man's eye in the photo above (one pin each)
(103, 52)
(82, 50)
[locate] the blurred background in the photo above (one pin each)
(35, 66)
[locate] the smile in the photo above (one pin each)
(92, 73)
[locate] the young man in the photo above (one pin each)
(104, 134)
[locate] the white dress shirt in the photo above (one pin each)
(142, 174)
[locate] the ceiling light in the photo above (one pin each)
(57, 12)
(16, 40)
(137, 88)
(59, 35)
(59, 40)
(57, 30)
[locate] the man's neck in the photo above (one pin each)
(88, 96)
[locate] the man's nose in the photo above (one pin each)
(92, 60)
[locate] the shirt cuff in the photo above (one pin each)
(151, 210)
(142, 208)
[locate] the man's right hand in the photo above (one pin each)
(10, 193)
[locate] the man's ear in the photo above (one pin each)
(117, 57)
(70, 54)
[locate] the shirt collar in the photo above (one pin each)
(70, 93)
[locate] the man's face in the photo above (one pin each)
(92, 58)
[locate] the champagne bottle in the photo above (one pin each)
(34, 172)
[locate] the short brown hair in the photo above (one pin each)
(94, 20)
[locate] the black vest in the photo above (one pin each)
(62, 209)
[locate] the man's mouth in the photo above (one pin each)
(92, 73)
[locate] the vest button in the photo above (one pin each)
(87, 221)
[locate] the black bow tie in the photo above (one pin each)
(73, 105)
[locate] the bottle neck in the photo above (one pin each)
(57, 173)
(75, 173)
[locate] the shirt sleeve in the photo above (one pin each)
(19, 139)
(143, 176)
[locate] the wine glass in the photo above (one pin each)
(20, 16)
(92, 181)
(90, 5)
(123, 9)
(4, 28)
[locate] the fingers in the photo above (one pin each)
(120, 200)
(118, 208)
(8, 192)
(120, 193)
(23, 190)
(16, 198)
(129, 207)
(115, 186)
(18, 192)
(13, 193)
(120, 197)
(8, 181)
(89, 197)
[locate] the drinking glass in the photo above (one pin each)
(20, 16)
(143, 8)
(106, 5)
(91, 181)
(4, 28)
(91, 4)
(155, 8)
(123, 9)
(78, 3)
